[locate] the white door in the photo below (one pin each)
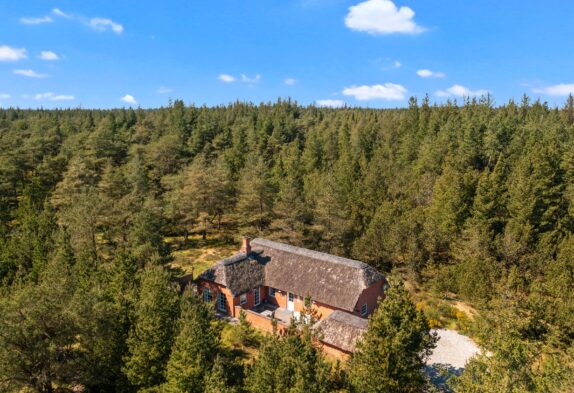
(290, 301)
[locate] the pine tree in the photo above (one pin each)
(450, 206)
(290, 363)
(195, 346)
(151, 338)
(255, 199)
(216, 381)
(391, 355)
(38, 332)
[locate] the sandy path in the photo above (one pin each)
(453, 349)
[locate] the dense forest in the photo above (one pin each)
(470, 198)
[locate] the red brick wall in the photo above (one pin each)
(280, 300)
(231, 300)
(334, 351)
(370, 296)
(259, 321)
(215, 289)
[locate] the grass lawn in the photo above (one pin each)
(447, 311)
(197, 254)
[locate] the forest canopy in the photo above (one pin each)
(473, 199)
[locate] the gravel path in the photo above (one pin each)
(449, 358)
(452, 349)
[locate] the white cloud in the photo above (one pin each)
(388, 91)
(460, 91)
(164, 90)
(246, 79)
(30, 74)
(129, 99)
(59, 12)
(397, 64)
(382, 17)
(48, 55)
(561, 89)
(328, 103)
(290, 81)
(226, 78)
(36, 21)
(430, 74)
(5, 96)
(8, 53)
(98, 24)
(53, 97)
(243, 78)
(104, 24)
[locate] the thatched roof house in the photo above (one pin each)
(269, 278)
(326, 278)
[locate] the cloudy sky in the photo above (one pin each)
(372, 53)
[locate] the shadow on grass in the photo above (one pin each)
(441, 374)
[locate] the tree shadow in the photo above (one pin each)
(441, 374)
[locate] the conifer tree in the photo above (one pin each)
(391, 355)
(216, 381)
(255, 199)
(151, 338)
(195, 346)
(290, 363)
(38, 331)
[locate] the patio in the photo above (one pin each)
(267, 310)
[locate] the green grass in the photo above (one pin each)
(443, 311)
(197, 254)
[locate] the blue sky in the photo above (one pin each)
(372, 53)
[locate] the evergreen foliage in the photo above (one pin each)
(391, 355)
(472, 199)
(151, 337)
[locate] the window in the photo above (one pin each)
(207, 295)
(221, 302)
(243, 299)
(364, 310)
(291, 297)
(256, 293)
(271, 291)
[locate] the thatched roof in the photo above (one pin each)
(326, 278)
(342, 330)
(238, 273)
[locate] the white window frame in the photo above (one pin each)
(291, 297)
(243, 298)
(364, 310)
(221, 302)
(271, 291)
(256, 297)
(207, 295)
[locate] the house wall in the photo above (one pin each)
(215, 289)
(334, 352)
(259, 321)
(251, 299)
(280, 300)
(232, 301)
(370, 296)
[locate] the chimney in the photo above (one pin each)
(246, 247)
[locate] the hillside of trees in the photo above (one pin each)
(471, 198)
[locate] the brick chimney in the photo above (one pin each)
(246, 247)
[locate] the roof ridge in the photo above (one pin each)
(312, 253)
